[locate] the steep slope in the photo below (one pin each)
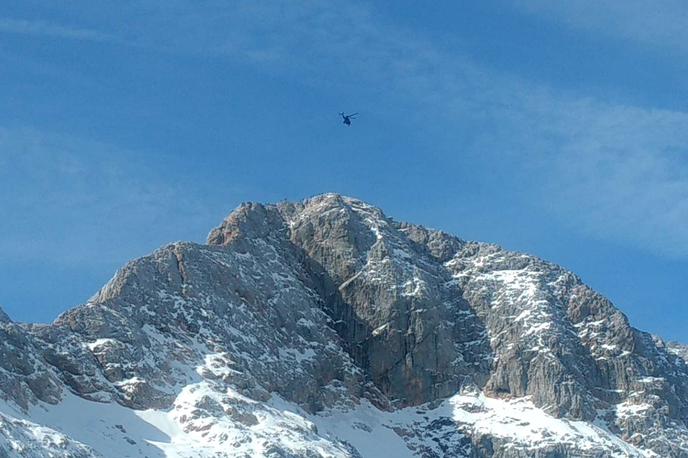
(325, 328)
(676, 348)
(571, 351)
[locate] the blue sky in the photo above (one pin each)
(555, 128)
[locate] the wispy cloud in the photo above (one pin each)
(612, 171)
(657, 23)
(87, 198)
(615, 172)
(46, 29)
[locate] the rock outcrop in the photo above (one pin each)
(309, 329)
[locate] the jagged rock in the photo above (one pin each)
(311, 329)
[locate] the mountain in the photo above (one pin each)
(327, 329)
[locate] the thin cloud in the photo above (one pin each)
(614, 172)
(611, 171)
(90, 197)
(658, 23)
(46, 29)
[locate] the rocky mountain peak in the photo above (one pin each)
(311, 328)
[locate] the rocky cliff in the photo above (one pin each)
(325, 328)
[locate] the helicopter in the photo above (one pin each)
(347, 118)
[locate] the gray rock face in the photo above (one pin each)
(571, 350)
(25, 377)
(329, 304)
(423, 313)
(401, 313)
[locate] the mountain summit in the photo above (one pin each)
(326, 329)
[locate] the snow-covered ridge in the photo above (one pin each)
(211, 420)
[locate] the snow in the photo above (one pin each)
(192, 427)
(366, 428)
(98, 343)
(211, 417)
(29, 439)
(380, 329)
(108, 428)
(372, 431)
(413, 287)
(630, 408)
(651, 379)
